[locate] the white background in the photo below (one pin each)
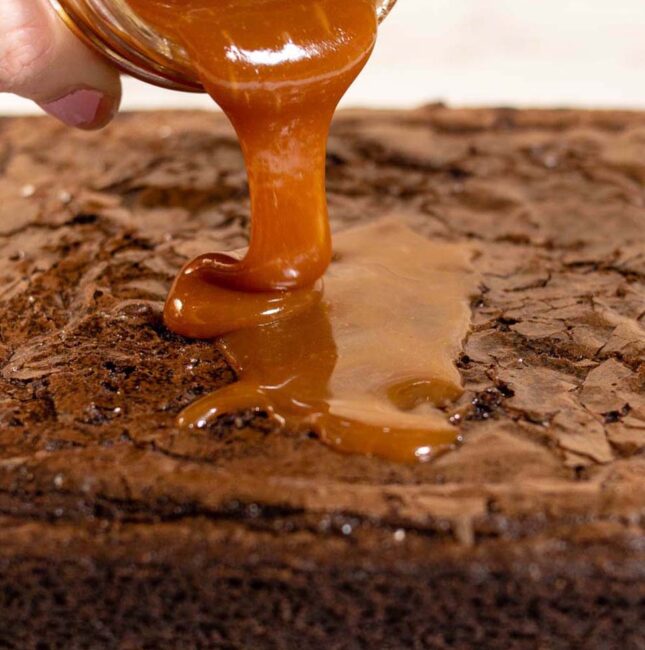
(512, 52)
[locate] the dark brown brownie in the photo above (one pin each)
(119, 531)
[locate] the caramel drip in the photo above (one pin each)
(278, 68)
(368, 365)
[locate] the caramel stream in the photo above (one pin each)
(278, 69)
(368, 362)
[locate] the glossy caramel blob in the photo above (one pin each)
(278, 69)
(369, 365)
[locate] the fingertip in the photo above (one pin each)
(41, 59)
(84, 107)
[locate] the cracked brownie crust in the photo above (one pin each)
(119, 531)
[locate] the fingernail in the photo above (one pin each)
(83, 108)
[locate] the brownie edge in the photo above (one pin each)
(197, 586)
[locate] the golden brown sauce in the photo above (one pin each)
(278, 69)
(368, 365)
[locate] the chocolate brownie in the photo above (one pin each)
(120, 531)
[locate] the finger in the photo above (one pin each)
(42, 60)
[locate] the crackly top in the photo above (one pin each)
(93, 227)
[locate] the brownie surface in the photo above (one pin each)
(121, 531)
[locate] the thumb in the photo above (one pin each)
(41, 59)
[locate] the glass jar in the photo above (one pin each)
(114, 30)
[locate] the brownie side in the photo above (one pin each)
(120, 531)
(203, 584)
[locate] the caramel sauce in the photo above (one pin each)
(278, 69)
(368, 363)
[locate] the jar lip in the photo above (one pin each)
(131, 62)
(126, 61)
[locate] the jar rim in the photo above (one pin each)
(127, 59)
(131, 61)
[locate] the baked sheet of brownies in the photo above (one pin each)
(118, 530)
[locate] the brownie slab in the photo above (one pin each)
(121, 531)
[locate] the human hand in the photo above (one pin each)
(42, 60)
